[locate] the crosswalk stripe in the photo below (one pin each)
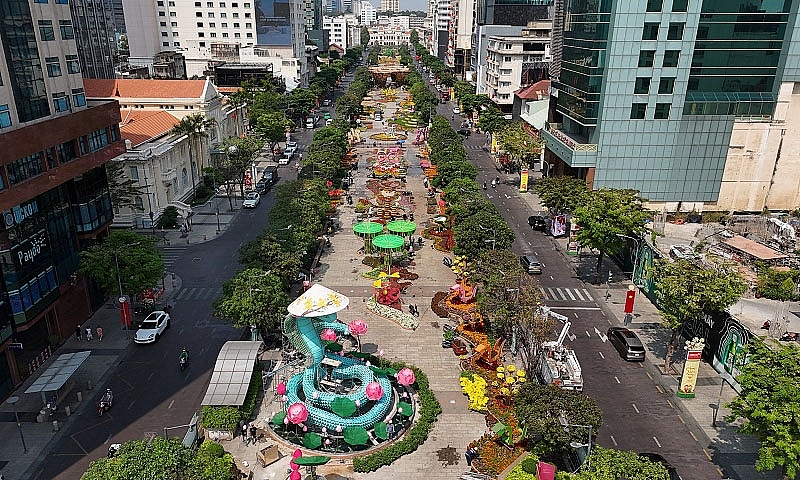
(552, 294)
(570, 293)
(578, 294)
(588, 296)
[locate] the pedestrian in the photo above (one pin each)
(88, 334)
(78, 331)
(253, 433)
(471, 454)
(99, 333)
(244, 434)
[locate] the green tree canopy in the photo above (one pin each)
(607, 217)
(518, 143)
(768, 403)
(562, 194)
(480, 232)
(301, 101)
(687, 291)
(240, 155)
(123, 189)
(124, 258)
(449, 171)
(538, 407)
(491, 120)
(609, 464)
(253, 297)
(268, 252)
(461, 88)
(272, 127)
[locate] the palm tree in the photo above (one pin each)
(195, 127)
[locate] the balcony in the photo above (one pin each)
(569, 147)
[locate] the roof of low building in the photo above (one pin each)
(755, 249)
(142, 88)
(536, 91)
(139, 126)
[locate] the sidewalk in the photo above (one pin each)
(723, 444)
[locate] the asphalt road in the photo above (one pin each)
(636, 415)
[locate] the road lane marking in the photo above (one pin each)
(660, 390)
(669, 402)
(551, 277)
(107, 440)
(180, 332)
(613, 440)
(571, 296)
(580, 297)
(680, 417)
(131, 404)
(692, 434)
(552, 293)
(576, 314)
(572, 308)
(171, 404)
(150, 377)
(657, 442)
(604, 313)
(649, 376)
(601, 355)
(617, 379)
(635, 408)
(588, 334)
(586, 292)
(561, 294)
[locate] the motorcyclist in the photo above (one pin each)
(108, 397)
(184, 355)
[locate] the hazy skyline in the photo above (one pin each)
(414, 5)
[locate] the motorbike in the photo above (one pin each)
(103, 407)
(184, 362)
(789, 337)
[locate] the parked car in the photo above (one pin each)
(531, 264)
(456, 111)
(263, 186)
(270, 175)
(251, 200)
(464, 132)
(152, 327)
(326, 102)
(310, 123)
(627, 343)
(328, 122)
(682, 252)
(654, 457)
(291, 147)
(286, 158)
(537, 222)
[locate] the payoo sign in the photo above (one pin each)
(28, 251)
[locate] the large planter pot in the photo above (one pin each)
(459, 347)
(218, 435)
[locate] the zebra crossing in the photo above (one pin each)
(472, 147)
(197, 293)
(557, 294)
(170, 254)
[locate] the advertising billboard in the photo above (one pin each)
(273, 24)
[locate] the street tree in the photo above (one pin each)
(364, 36)
(449, 171)
(687, 291)
(461, 88)
(195, 127)
(768, 402)
(538, 408)
(240, 154)
(491, 120)
(272, 128)
(480, 232)
(267, 251)
(253, 297)
(302, 100)
(469, 204)
(610, 464)
(562, 194)
(348, 106)
(124, 263)
(518, 143)
(607, 217)
(123, 189)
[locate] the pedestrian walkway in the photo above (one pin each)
(567, 294)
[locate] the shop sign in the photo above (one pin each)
(27, 251)
(18, 214)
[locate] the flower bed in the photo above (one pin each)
(405, 320)
(437, 306)
(474, 386)
(494, 456)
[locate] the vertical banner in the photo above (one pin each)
(629, 298)
(694, 351)
(545, 471)
(125, 312)
(523, 181)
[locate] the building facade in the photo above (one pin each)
(338, 29)
(53, 188)
(221, 30)
(367, 14)
(655, 110)
(390, 6)
(94, 33)
(389, 36)
(462, 23)
(480, 51)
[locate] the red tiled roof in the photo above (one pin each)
(140, 126)
(142, 88)
(226, 90)
(336, 47)
(535, 91)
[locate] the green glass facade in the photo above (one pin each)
(648, 90)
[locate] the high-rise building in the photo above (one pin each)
(390, 6)
(55, 199)
(367, 13)
(94, 31)
(338, 29)
(650, 91)
(462, 23)
(255, 31)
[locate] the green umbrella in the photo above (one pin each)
(312, 460)
(355, 436)
(312, 440)
(388, 242)
(401, 227)
(278, 418)
(380, 430)
(367, 230)
(343, 406)
(405, 409)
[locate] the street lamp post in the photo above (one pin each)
(562, 419)
(13, 402)
(119, 278)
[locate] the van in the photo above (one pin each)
(285, 159)
(270, 175)
(531, 264)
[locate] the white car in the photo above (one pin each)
(152, 327)
(291, 147)
(251, 200)
(328, 122)
(456, 111)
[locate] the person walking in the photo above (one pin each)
(253, 433)
(78, 331)
(99, 333)
(88, 334)
(244, 434)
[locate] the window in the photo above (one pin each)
(62, 2)
(197, 4)
(165, 44)
(235, 5)
(680, 5)
(202, 44)
(662, 111)
(198, 14)
(235, 15)
(236, 25)
(176, 44)
(174, 24)
(675, 31)
(210, 14)
(211, 24)
(174, 34)
(654, 5)
(39, 1)
(237, 35)
(171, 4)
(162, 14)
(163, 34)
(200, 24)
(249, 35)
(73, 64)
(163, 24)
(666, 85)
(53, 66)
(60, 102)
(248, 25)
(646, 58)
(173, 14)
(638, 110)
(67, 33)
(5, 116)
(221, 4)
(24, 168)
(246, 15)
(98, 139)
(671, 58)
(224, 25)
(246, 5)
(650, 31)
(210, 4)
(642, 85)
(78, 97)
(201, 34)
(223, 15)
(224, 35)
(213, 35)
(46, 30)
(160, 3)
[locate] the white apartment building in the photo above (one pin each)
(462, 20)
(390, 6)
(219, 30)
(415, 22)
(402, 21)
(338, 29)
(389, 36)
(513, 62)
(440, 24)
(367, 14)
(354, 35)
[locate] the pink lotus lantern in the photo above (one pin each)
(374, 391)
(281, 389)
(295, 475)
(405, 377)
(297, 453)
(338, 429)
(297, 413)
(358, 327)
(328, 335)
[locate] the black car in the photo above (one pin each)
(263, 186)
(537, 222)
(270, 175)
(465, 132)
(627, 343)
(654, 457)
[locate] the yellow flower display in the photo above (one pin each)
(510, 380)
(500, 369)
(475, 389)
(501, 375)
(511, 368)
